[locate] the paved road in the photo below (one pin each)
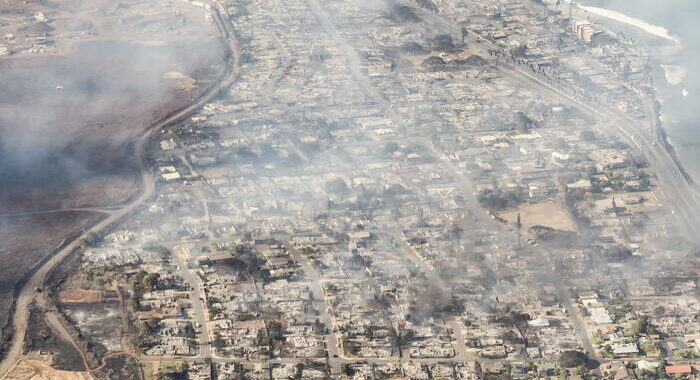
(577, 321)
(460, 348)
(147, 188)
(332, 344)
(200, 314)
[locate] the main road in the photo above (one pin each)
(28, 292)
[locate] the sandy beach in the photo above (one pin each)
(655, 30)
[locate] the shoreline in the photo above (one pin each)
(663, 137)
(659, 70)
(661, 128)
(661, 62)
(656, 30)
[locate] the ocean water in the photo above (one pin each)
(677, 75)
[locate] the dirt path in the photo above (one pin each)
(333, 346)
(124, 317)
(58, 327)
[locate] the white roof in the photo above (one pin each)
(647, 365)
(171, 176)
(628, 348)
(539, 322)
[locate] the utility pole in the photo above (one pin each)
(571, 11)
(518, 225)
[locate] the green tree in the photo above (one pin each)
(275, 330)
(572, 358)
(685, 354)
(642, 326)
(150, 282)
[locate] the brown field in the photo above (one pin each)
(62, 153)
(67, 118)
(38, 367)
(26, 241)
(80, 296)
(213, 171)
(548, 214)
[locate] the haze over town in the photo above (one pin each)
(346, 189)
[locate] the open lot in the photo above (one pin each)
(80, 296)
(100, 322)
(36, 367)
(548, 214)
